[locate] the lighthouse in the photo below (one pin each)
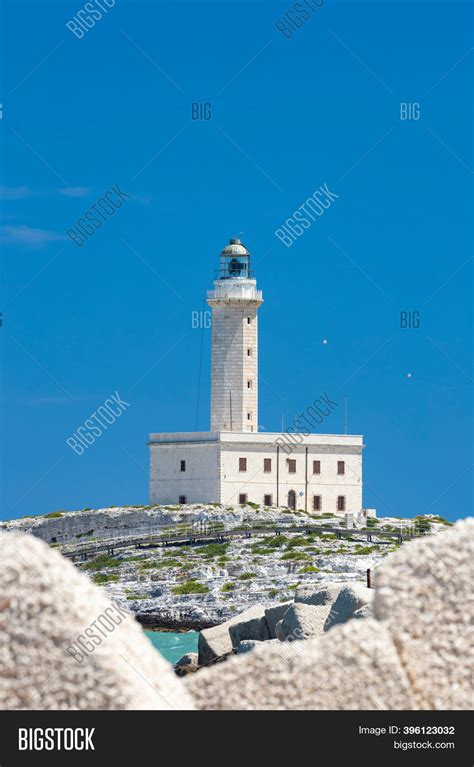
(238, 461)
(234, 358)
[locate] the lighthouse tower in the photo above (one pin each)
(234, 363)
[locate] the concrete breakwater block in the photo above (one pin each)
(65, 645)
(301, 621)
(349, 599)
(216, 642)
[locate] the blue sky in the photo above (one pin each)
(288, 115)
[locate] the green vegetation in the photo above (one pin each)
(441, 520)
(272, 593)
(257, 549)
(364, 549)
(276, 541)
(186, 567)
(297, 541)
(102, 561)
(229, 586)
(133, 597)
(295, 556)
(212, 550)
(247, 576)
(422, 525)
(372, 522)
(309, 569)
(53, 515)
(162, 564)
(102, 578)
(190, 587)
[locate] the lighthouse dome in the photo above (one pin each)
(234, 248)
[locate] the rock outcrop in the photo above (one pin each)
(229, 577)
(415, 654)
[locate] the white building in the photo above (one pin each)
(234, 463)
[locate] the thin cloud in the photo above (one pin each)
(74, 191)
(26, 235)
(15, 192)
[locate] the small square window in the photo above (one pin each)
(182, 465)
(242, 499)
(341, 467)
(316, 467)
(182, 499)
(268, 500)
(341, 502)
(267, 465)
(291, 466)
(317, 505)
(242, 464)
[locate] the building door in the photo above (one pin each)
(292, 500)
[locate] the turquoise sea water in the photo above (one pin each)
(172, 645)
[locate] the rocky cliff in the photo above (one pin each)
(182, 587)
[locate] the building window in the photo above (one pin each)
(249, 320)
(182, 465)
(182, 499)
(242, 464)
(316, 467)
(249, 416)
(249, 352)
(267, 465)
(341, 467)
(291, 466)
(249, 384)
(242, 499)
(341, 502)
(268, 500)
(317, 505)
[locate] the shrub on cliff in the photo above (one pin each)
(247, 576)
(102, 561)
(190, 587)
(103, 578)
